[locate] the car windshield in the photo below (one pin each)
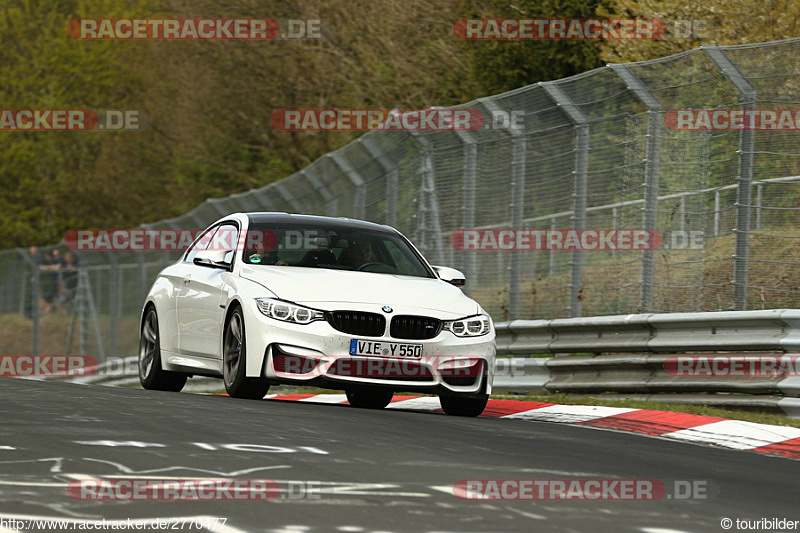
(336, 248)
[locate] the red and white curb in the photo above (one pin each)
(735, 434)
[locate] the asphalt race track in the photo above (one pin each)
(363, 470)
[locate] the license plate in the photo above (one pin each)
(385, 349)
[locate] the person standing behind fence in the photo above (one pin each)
(50, 280)
(67, 283)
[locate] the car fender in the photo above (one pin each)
(243, 293)
(161, 296)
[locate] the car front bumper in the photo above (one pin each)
(316, 354)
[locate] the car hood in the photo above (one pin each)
(328, 289)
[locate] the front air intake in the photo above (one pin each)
(357, 323)
(415, 327)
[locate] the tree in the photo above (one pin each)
(691, 24)
(500, 66)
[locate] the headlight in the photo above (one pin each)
(472, 326)
(288, 312)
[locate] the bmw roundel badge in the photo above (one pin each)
(386, 309)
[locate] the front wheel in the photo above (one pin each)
(369, 397)
(234, 362)
(151, 375)
(463, 405)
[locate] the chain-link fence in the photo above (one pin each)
(594, 151)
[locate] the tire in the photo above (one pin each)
(151, 374)
(369, 397)
(234, 361)
(463, 405)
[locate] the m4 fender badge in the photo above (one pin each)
(387, 309)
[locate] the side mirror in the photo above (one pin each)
(450, 275)
(212, 259)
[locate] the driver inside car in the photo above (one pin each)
(268, 257)
(357, 254)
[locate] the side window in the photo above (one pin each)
(221, 238)
(225, 239)
(200, 245)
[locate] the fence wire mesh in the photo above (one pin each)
(594, 152)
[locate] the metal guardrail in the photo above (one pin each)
(770, 330)
(637, 371)
(648, 340)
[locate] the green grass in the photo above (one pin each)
(686, 280)
(16, 331)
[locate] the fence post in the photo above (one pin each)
(263, 195)
(245, 201)
(552, 252)
(36, 290)
(390, 168)
(745, 179)
(518, 170)
(359, 206)
(581, 122)
(759, 203)
(288, 197)
(322, 189)
(84, 305)
(614, 226)
(655, 117)
(83, 318)
(683, 215)
(113, 294)
(35, 287)
(470, 147)
(428, 200)
(216, 203)
(24, 286)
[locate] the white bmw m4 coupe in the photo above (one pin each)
(275, 298)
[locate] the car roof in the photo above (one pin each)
(331, 222)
